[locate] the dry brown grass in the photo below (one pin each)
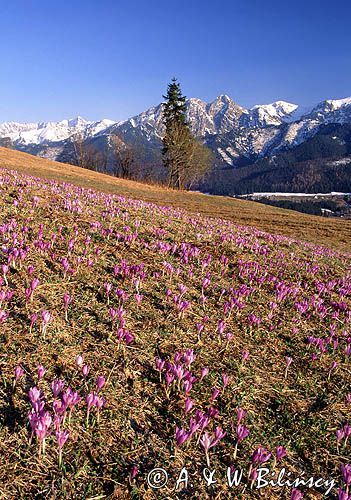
(334, 233)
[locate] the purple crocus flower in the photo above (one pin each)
(296, 494)
(229, 336)
(189, 403)
(288, 363)
(206, 441)
(240, 415)
(204, 372)
(181, 436)
(160, 363)
(133, 472)
(346, 472)
(215, 394)
(343, 495)
(61, 438)
(221, 327)
(33, 319)
(340, 434)
(245, 356)
(70, 398)
(212, 412)
(225, 379)
(280, 453)
(100, 382)
(138, 298)
(241, 432)
(19, 372)
(41, 371)
(35, 395)
(253, 475)
(46, 317)
(59, 407)
(79, 360)
(261, 455)
(90, 400)
(57, 386)
(219, 434)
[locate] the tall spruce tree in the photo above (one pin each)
(174, 108)
(186, 160)
(177, 136)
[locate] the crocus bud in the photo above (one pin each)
(133, 472)
(245, 355)
(226, 379)
(100, 382)
(204, 372)
(57, 386)
(240, 415)
(79, 360)
(46, 317)
(19, 372)
(253, 475)
(346, 472)
(90, 400)
(41, 371)
(288, 361)
(188, 405)
(280, 452)
(215, 394)
(61, 438)
(85, 370)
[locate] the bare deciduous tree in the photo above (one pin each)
(189, 160)
(123, 158)
(86, 155)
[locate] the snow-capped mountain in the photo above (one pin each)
(236, 134)
(268, 114)
(46, 132)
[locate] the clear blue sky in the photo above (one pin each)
(113, 59)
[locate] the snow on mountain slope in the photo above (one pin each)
(46, 132)
(219, 116)
(268, 114)
(232, 131)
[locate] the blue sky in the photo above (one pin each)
(113, 59)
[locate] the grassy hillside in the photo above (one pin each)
(333, 233)
(137, 335)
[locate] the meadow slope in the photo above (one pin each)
(334, 233)
(136, 336)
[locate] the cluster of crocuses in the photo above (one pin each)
(197, 425)
(177, 300)
(261, 456)
(177, 374)
(45, 421)
(119, 326)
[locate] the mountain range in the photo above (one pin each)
(238, 136)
